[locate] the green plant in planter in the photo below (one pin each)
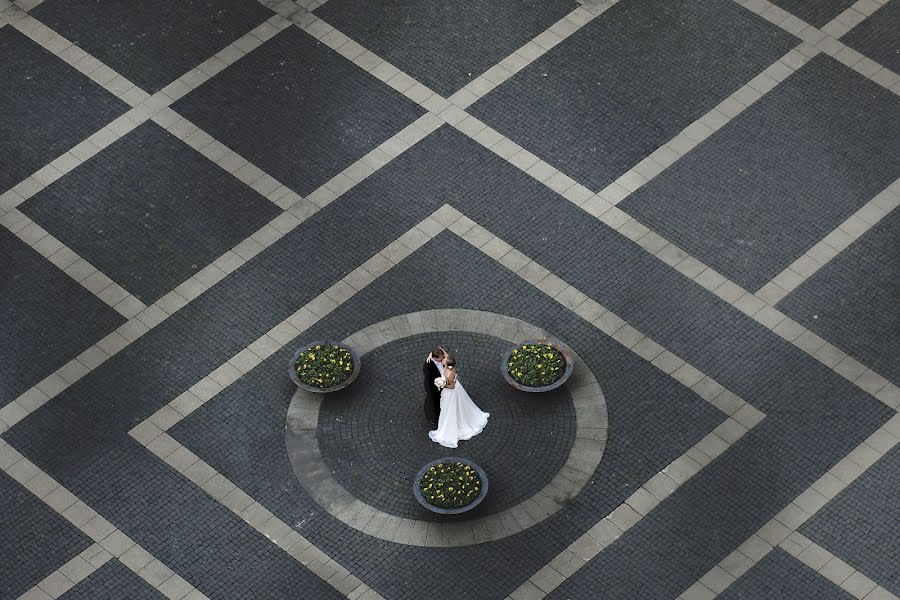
(324, 366)
(450, 485)
(536, 365)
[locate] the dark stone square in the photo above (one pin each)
(877, 37)
(860, 524)
(780, 576)
(442, 43)
(629, 81)
(149, 211)
(48, 318)
(34, 539)
(46, 107)
(113, 581)
(778, 178)
(815, 12)
(854, 300)
(152, 43)
(298, 110)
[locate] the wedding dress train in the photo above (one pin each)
(460, 418)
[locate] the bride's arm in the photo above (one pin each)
(450, 376)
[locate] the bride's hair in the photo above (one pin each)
(450, 361)
(438, 352)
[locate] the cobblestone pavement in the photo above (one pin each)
(699, 197)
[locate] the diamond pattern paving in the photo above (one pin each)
(583, 108)
(180, 429)
(754, 197)
(47, 107)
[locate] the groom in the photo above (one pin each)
(432, 369)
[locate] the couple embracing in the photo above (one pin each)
(447, 405)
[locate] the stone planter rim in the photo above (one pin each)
(292, 370)
(451, 511)
(563, 349)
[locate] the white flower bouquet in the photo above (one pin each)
(440, 383)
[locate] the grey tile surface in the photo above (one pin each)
(755, 196)
(113, 581)
(149, 211)
(781, 576)
(859, 524)
(48, 319)
(853, 300)
(441, 43)
(629, 81)
(298, 110)
(152, 43)
(877, 36)
(47, 107)
(818, 12)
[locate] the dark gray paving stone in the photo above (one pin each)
(241, 431)
(582, 108)
(373, 434)
(877, 36)
(34, 539)
(46, 106)
(853, 300)
(48, 318)
(815, 12)
(113, 581)
(443, 44)
(149, 211)
(757, 194)
(298, 110)
(152, 43)
(781, 576)
(862, 524)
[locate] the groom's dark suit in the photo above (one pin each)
(432, 394)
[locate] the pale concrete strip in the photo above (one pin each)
(69, 575)
(781, 530)
(853, 228)
(827, 43)
(110, 540)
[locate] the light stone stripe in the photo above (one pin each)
(781, 530)
(851, 17)
(69, 575)
(111, 541)
(828, 44)
(853, 228)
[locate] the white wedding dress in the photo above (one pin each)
(460, 418)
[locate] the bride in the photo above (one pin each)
(460, 418)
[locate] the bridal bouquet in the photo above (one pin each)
(440, 383)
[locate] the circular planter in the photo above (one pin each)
(292, 368)
(563, 349)
(451, 511)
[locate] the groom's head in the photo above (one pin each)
(438, 353)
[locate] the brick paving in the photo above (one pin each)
(281, 194)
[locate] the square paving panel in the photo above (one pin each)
(860, 525)
(48, 318)
(442, 43)
(113, 581)
(854, 300)
(152, 43)
(298, 110)
(780, 576)
(878, 37)
(629, 81)
(34, 539)
(46, 107)
(149, 211)
(815, 12)
(778, 178)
